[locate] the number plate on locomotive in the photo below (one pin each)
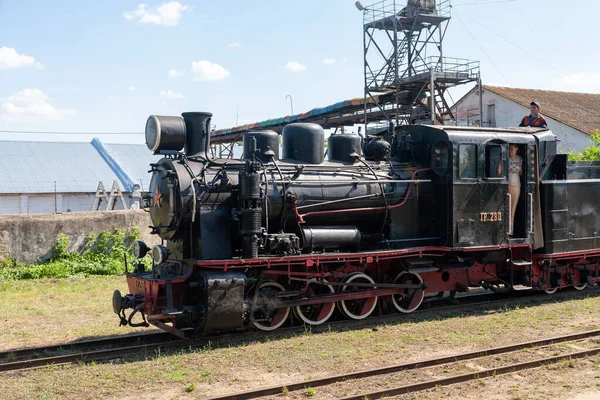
(490, 216)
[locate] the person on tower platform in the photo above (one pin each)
(535, 119)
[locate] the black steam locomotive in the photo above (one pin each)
(381, 223)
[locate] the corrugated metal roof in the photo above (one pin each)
(578, 110)
(34, 167)
(135, 161)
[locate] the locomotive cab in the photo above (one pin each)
(481, 194)
(471, 183)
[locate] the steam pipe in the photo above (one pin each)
(197, 140)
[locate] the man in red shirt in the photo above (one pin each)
(534, 119)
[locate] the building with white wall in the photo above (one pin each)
(572, 117)
(48, 177)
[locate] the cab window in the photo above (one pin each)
(493, 155)
(467, 161)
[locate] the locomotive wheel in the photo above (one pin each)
(266, 316)
(580, 286)
(551, 290)
(357, 308)
(409, 299)
(316, 314)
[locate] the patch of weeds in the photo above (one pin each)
(190, 388)
(177, 376)
(102, 254)
(310, 392)
(204, 375)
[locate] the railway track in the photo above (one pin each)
(83, 351)
(424, 364)
(149, 343)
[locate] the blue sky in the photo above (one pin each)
(82, 66)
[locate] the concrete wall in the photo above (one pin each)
(509, 114)
(30, 238)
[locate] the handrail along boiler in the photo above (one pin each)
(382, 222)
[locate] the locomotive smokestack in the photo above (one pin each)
(197, 126)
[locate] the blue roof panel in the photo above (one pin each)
(134, 160)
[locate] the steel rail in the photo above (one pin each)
(473, 375)
(274, 390)
(116, 341)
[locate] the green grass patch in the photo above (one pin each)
(102, 254)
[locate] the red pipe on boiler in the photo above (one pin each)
(347, 210)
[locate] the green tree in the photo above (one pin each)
(591, 153)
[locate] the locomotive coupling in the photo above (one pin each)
(134, 301)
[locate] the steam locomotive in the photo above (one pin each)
(380, 224)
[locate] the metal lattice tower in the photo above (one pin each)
(406, 74)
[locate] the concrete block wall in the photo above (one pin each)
(30, 238)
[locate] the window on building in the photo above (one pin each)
(467, 161)
(491, 114)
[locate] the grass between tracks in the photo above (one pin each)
(34, 312)
(49, 311)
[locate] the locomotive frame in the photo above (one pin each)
(385, 221)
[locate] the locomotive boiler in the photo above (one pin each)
(357, 226)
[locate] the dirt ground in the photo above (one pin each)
(215, 370)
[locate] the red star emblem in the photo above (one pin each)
(157, 195)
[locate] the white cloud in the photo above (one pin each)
(170, 94)
(329, 61)
(235, 44)
(131, 88)
(295, 66)
(173, 73)
(10, 59)
(39, 66)
(167, 14)
(205, 71)
(579, 82)
(31, 105)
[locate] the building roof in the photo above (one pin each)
(577, 110)
(35, 167)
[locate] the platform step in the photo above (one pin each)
(521, 262)
(522, 287)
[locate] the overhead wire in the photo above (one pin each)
(482, 2)
(483, 50)
(511, 43)
(74, 133)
